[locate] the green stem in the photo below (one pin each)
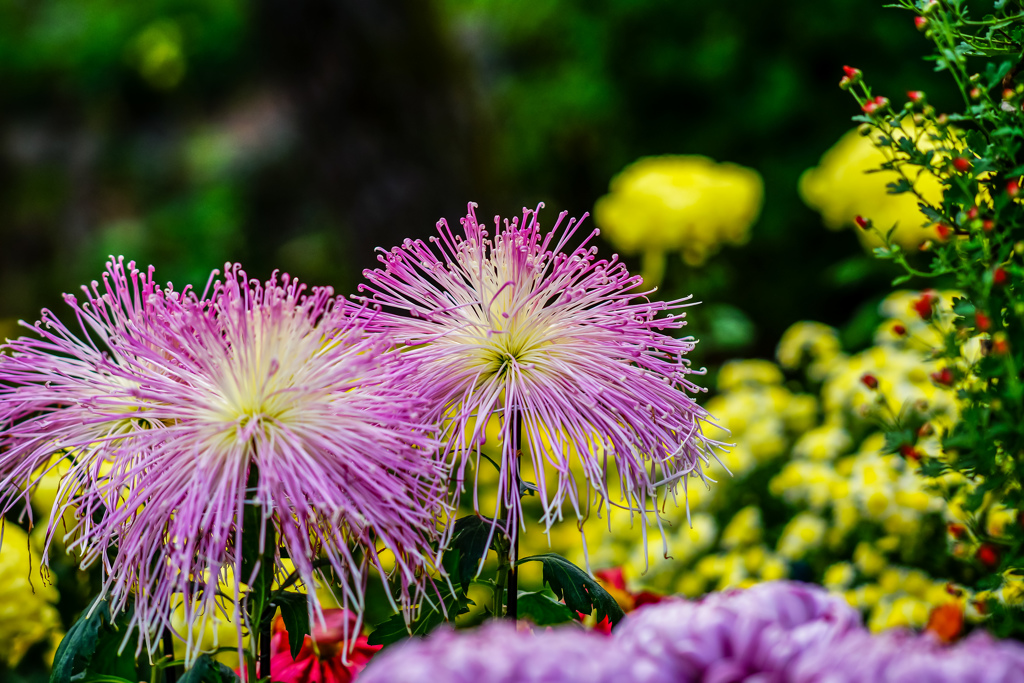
(502, 550)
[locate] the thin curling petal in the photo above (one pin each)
(166, 401)
(515, 322)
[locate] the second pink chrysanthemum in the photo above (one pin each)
(517, 323)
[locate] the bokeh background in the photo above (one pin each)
(302, 134)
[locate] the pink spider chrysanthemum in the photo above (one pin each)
(179, 412)
(516, 323)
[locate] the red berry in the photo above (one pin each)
(921, 23)
(982, 321)
(961, 164)
(988, 555)
(943, 377)
(999, 276)
(869, 380)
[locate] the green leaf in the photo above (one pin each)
(542, 609)
(471, 538)
(577, 589)
(76, 651)
(208, 670)
(431, 616)
(295, 615)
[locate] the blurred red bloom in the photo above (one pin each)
(613, 581)
(321, 658)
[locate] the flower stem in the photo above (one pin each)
(512, 606)
(502, 549)
(170, 674)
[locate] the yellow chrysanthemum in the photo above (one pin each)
(844, 186)
(688, 204)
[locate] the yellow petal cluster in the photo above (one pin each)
(686, 204)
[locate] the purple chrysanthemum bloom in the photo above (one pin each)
(899, 656)
(499, 653)
(167, 403)
(736, 634)
(518, 324)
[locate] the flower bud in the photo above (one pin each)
(988, 555)
(925, 246)
(988, 225)
(869, 380)
(899, 330)
(999, 276)
(957, 531)
(921, 23)
(982, 321)
(925, 430)
(943, 377)
(875, 105)
(1013, 188)
(924, 303)
(862, 223)
(943, 231)
(910, 453)
(851, 72)
(975, 93)
(961, 164)
(1000, 344)
(915, 96)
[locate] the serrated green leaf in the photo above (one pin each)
(208, 670)
(471, 539)
(577, 589)
(542, 609)
(77, 648)
(295, 613)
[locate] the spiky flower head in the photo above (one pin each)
(182, 415)
(564, 347)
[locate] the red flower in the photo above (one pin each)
(320, 659)
(943, 377)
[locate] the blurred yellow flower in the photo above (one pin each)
(814, 342)
(802, 534)
(843, 187)
(27, 612)
(659, 205)
(745, 528)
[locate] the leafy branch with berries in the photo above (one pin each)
(975, 245)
